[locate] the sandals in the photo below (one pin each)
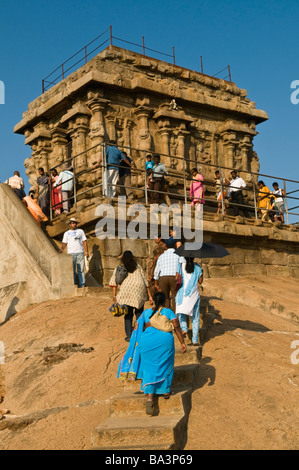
(167, 396)
(149, 408)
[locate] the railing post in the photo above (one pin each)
(104, 170)
(111, 37)
(43, 86)
(62, 69)
(85, 50)
(254, 197)
(185, 185)
(145, 179)
(173, 53)
(201, 64)
(222, 192)
(75, 186)
(143, 45)
(286, 200)
(229, 73)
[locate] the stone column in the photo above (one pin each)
(143, 114)
(111, 123)
(97, 129)
(59, 150)
(78, 134)
(181, 150)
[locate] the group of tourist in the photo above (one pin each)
(172, 287)
(52, 191)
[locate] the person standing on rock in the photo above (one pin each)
(76, 242)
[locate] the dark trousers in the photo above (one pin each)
(157, 185)
(129, 319)
(237, 198)
(167, 285)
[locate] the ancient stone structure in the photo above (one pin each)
(151, 106)
(146, 104)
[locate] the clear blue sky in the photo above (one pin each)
(258, 39)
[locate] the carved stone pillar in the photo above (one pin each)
(181, 150)
(59, 151)
(97, 129)
(79, 129)
(143, 114)
(111, 123)
(230, 142)
(165, 140)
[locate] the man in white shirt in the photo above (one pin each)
(66, 182)
(235, 192)
(157, 180)
(17, 184)
(165, 273)
(76, 242)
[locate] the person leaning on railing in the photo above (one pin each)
(236, 185)
(264, 201)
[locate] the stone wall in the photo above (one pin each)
(31, 270)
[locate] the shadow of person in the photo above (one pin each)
(96, 265)
(225, 324)
(206, 374)
(11, 311)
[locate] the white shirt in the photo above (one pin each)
(65, 181)
(278, 193)
(74, 240)
(237, 184)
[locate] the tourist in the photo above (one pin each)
(278, 204)
(157, 351)
(149, 163)
(65, 182)
(236, 185)
(56, 193)
(76, 242)
(34, 209)
(17, 184)
(125, 177)
(43, 192)
(157, 180)
(113, 158)
(220, 183)
(197, 190)
(264, 201)
(165, 273)
(133, 292)
(188, 298)
(159, 248)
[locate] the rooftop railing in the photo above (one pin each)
(106, 38)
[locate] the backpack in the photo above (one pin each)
(120, 274)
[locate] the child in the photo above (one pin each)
(149, 165)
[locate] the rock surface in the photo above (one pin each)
(62, 357)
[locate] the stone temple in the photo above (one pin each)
(150, 106)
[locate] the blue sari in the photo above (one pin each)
(129, 367)
(157, 353)
(150, 356)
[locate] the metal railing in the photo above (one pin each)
(85, 54)
(184, 179)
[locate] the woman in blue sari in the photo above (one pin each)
(153, 353)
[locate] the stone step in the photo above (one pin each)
(184, 374)
(132, 403)
(140, 431)
(145, 447)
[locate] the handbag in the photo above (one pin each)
(118, 310)
(120, 274)
(179, 282)
(161, 322)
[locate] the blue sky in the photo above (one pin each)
(258, 39)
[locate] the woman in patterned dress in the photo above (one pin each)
(134, 291)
